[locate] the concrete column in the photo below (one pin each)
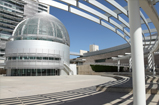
(118, 65)
(137, 53)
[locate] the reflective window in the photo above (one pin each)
(14, 58)
(39, 58)
(45, 58)
(51, 58)
(26, 57)
(35, 72)
(29, 72)
(57, 58)
(59, 32)
(31, 26)
(9, 58)
(32, 57)
(44, 72)
(38, 72)
(45, 29)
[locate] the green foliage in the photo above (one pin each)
(103, 68)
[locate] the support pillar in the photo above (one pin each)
(149, 59)
(118, 65)
(153, 64)
(130, 64)
(139, 97)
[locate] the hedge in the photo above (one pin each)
(103, 68)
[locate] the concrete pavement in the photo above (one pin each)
(32, 85)
(66, 90)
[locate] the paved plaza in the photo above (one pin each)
(65, 90)
(26, 86)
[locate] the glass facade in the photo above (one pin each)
(11, 13)
(35, 72)
(34, 29)
(33, 58)
(33, 7)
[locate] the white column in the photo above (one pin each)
(118, 65)
(137, 53)
(130, 64)
(149, 59)
(153, 64)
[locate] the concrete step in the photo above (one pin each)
(151, 86)
(152, 79)
(125, 89)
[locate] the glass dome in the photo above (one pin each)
(42, 26)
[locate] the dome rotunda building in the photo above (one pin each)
(39, 46)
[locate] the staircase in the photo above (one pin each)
(68, 69)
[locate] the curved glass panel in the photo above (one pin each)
(42, 26)
(59, 32)
(45, 27)
(31, 26)
(19, 29)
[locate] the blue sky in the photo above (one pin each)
(84, 32)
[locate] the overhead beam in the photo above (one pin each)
(151, 12)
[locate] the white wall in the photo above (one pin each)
(82, 52)
(93, 48)
(73, 67)
(63, 72)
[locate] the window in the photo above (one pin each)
(59, 33)
(21, 58)
(9, 58)
(57, 59)
(80, 63)
(32, 58)
(51, 58)
(39, 58)
(100, 60)
(17, 58)
(13, 58)
(2, 49)
(26, 57)
(45, 58)
(109, 58)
